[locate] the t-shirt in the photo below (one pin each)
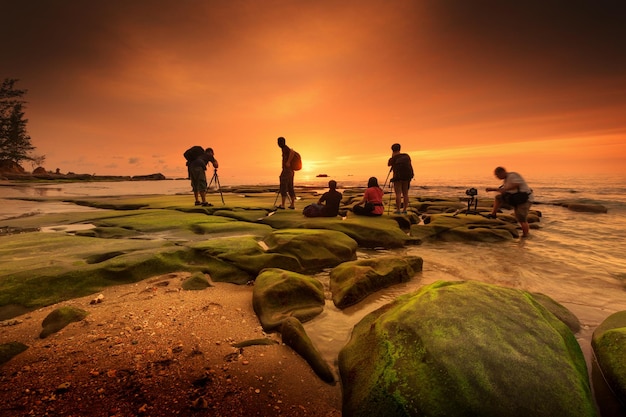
(333, 201)
(517, 180)
(374, 195)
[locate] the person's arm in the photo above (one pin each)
(288, 161)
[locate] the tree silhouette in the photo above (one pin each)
(15, 143)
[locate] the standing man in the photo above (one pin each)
(515, 192)
(402, 168)
(197, 174)
(286, 175)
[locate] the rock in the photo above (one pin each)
(197, 281)
(98, 299)
(609, 345)
(60, 318)
(464, 349)
(150, 177)
(11, 349)
(294, 336)
(351, 282)
(463, 227)
(314, 249)
(588, 208)
(279, 294)
(369, 232)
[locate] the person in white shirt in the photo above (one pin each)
(515, 192)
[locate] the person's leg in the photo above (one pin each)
(202, 186)
(497, 202)
(525, 229)
(397, 188)
(521, 214)
(405, 194)
(292, 191)
(283, 190)
(193, 175)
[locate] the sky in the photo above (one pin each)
(122, 87)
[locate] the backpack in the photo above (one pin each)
(296, 161)
(193, 153)
(402, 168)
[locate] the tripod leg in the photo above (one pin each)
(219, 187)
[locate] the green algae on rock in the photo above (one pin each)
(279, 294)
(351, 282)
(463, 349)
(609, 346)
(472, 227)
(60, 318)
(197, 281)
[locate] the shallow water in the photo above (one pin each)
(575, 258)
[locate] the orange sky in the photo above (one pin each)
(123, 88)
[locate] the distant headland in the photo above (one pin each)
(9, 170)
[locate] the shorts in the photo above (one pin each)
(521, 211)
(198, 179)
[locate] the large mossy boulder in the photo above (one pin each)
(296, 250)
(314, 249)
(368, 232)
(279, 294)
(609, 346)
(351, 282)
(464, 349)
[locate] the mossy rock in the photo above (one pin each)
(369, 232)
(464, 349)
(351, 282)
(60, 318)
(470, 228)
(10, 350)
(609, 345)
(314, 249)
(279, 294)
(197, 281)
(294, 336)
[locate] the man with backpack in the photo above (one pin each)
(197, 161)
(402, 168)
(289, 159)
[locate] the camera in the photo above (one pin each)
(471, 192)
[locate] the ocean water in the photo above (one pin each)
(578, 259)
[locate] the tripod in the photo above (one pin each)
(472, 200)
(215, 180)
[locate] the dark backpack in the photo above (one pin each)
(193, 153)
(296, 161)
(402, 168)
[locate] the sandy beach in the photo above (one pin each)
(151, 349)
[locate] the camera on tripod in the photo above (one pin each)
(471, 192)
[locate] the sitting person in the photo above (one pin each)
(372, 202)
(332, 198)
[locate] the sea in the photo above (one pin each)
(576, 258)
